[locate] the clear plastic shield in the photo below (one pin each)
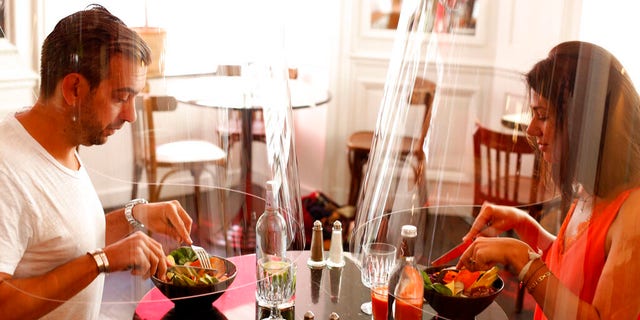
(503, 141)
(547, 152)
(209, 142)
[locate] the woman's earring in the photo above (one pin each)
(74, 115)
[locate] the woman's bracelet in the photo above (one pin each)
(101, 260)
(537, 281)
(533, 256)
(531, 274)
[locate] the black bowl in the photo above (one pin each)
(460, 307)
(199, 297)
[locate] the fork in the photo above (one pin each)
(203, 256)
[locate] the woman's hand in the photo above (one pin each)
(494, 220)
(139, 253)
(167, 217)
(484, 253)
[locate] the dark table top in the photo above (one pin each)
(321, 291)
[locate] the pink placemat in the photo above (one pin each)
(238, 299)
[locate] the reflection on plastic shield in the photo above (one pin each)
(393, 180)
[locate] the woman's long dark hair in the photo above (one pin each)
(597, 113)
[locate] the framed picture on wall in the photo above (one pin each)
(2, 19)
(448, 16)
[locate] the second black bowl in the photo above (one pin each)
(460, 308)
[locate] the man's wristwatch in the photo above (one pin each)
(128, 212)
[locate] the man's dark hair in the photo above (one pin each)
(84, 42)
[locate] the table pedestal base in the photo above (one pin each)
(240, 235)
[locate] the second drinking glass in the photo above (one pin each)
(276, 283)
(378, 262)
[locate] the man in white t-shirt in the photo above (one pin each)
(56, 242)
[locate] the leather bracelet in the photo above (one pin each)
(128, 212)
(101, 260)
(532, 257)
(536, 282)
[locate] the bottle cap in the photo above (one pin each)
(337, 225)
(409, 231)
(309, 315)
(334, 316)
(317, 225)
(271, 198)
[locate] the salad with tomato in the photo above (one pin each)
(461, 283)
(185, 269)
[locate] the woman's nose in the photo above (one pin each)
(532, 128)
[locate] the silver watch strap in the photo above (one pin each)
(128, 212)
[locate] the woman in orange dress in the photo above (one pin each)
(586, 125)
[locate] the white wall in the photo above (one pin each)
(18, 79)
(608, 26)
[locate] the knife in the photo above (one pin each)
(452, 254)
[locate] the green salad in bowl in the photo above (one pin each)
(191, 287)
(460, 294)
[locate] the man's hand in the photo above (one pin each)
(167, 217)
(139, 253)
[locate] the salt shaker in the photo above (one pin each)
(309, 315)
(316, 260)
(336, 260)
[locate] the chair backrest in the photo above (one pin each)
(500, 177)
(143, 129)
(422, 95)
(228, 70)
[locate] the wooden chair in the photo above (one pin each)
(194, 156)
(359, 143)
(501, 178)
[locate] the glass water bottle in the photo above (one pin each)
(271, 228)
(405, 284)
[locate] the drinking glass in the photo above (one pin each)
(377, 263)
(276, 283)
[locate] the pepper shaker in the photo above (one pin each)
(316, 260)
(309, 315)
